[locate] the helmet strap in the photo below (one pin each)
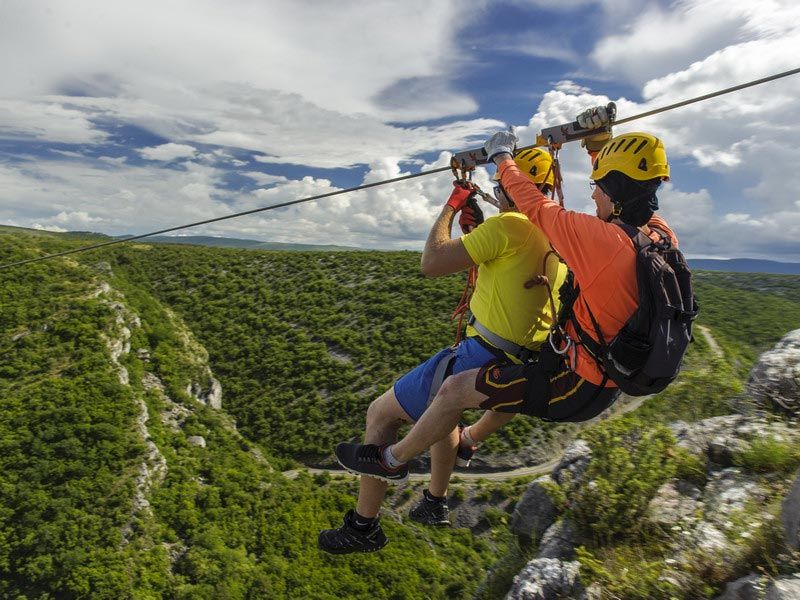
(615, 212)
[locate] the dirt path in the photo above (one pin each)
(466, 475)
(710, 340)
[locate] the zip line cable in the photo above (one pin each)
(385, 181)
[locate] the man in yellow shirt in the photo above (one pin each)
(512, 315)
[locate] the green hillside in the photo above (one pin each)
(92, 507)
(105, 490)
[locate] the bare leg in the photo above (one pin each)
(455, 396)
(443, 458)
(384, 418)
(489, 422)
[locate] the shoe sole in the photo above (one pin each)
(373, 475)
(460, 462)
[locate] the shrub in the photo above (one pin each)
(630, 460)
(769, 455)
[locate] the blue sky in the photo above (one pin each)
(131, 117)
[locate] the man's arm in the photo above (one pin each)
(443, 255)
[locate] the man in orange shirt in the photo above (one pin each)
(566, 383)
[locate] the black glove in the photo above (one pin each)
(471, 215)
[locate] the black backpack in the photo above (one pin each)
(646, 354)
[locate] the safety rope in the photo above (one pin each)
(463, 175)
(386, 181)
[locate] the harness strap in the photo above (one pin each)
(443, 369)
(520, 352)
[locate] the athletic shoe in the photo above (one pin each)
(348, 539)
(465, 452)
(430, 512)
(367, 459)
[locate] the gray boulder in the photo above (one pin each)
(197, 440)
(559, 541)
(774, 382)
(534, 512)
(790, 515)
(757, 587)
(574, 461)
(547, 579)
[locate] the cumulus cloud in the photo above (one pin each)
(167, 152)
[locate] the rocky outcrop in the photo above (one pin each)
(210, 395)
(774, 382)
(790, 515)
(546, 579)
(756, 587)
(535, 512)
(716, 519)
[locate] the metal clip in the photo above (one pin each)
(569, 132)
(471, 158)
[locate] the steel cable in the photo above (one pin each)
(384, 182)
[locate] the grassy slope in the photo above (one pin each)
(223, 524)
(270, 321)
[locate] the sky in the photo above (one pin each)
(123, 118)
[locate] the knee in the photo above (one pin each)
(380, 415)
(457, 390)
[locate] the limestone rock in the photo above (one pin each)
(559, 541)
(197, 440)
(790, 515)
(774, 382)
(574, 461)
(212, 396)
(757, 587)
(673, 503)
(534, 512)
(727, 492)
(547, 579)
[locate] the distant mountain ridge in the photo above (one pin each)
(745, 265)
(223, 242)
(731, 265)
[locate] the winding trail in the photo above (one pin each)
(710, 340)
(533, 470)
(467, 475)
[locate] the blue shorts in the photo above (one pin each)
(413, 389)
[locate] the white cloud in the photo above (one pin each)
(167, 152)
(44, 120)
(97, 46)
(264, 179)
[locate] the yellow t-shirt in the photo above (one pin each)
(510, 251)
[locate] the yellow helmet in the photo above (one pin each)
(640, 156)
(536, 164)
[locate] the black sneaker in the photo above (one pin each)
(348, 539)
(367, 459)
(430, 512)
(464, 453)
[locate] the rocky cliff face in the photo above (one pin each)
(774, 382)
(741, 502)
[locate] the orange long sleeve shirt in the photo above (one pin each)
(600, 254)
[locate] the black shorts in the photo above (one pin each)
(546, 389)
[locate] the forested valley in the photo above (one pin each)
(120, 479)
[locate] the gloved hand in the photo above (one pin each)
(459, 196)
(471, 215)
(595, 117)
(502, 141)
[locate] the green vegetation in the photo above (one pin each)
(769, 455)
(630, 461)
(223, 523)
(301, 342)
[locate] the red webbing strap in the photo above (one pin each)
(463, 304)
